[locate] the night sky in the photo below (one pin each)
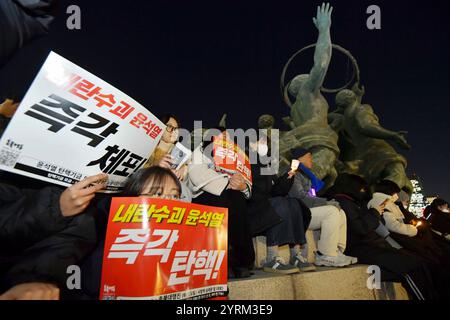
(201, 59)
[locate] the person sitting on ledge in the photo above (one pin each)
(211, 187)
(280, 218)
(326, 216)
(370, 241)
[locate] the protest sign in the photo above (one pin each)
(160, 249)
(230, 158)
(71, 124)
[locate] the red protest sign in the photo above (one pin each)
(230, 158)
(164, 249)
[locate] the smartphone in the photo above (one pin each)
(180, 155)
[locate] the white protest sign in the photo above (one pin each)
(71, 124)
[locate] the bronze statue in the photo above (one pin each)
(310, 110)
(364, 142)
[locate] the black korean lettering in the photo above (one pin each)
(99, 123)
(56, 120)
(111, 160)
(134, 162)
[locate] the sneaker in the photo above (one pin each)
(302, 264)
(329, 261)
(277, 265)
(353, 260)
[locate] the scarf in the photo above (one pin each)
(316, 183)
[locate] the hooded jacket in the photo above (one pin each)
(393, 216)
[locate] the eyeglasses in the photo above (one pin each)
(161, 196)
(171, 129)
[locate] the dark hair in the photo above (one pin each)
(349, 184)
(166, 117)
(156, 175)
(387, 187)
(439, 202)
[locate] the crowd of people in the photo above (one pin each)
(46, 228)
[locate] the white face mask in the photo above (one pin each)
(394, 198)
(263, 149)
(445, 210)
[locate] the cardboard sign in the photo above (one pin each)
(159, 249)
(71, 124)
(230, 158)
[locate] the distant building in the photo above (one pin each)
(418, 201)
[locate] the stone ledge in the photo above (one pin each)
(347, 283)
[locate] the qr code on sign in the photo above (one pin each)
(8, 158)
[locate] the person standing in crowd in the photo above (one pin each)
(281, 219)
(370, 241)
(42, 232)
(212, 187)
(326, 216)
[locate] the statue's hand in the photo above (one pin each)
(323, 19)
(358, 90)
(400, 139)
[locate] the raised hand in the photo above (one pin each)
(400, 139)
(322, 21)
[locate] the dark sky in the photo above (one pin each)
(199, 59)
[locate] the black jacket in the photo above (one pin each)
(440, 221)
(37, 242)
(262, 214)
(361, 222)
(21, 21)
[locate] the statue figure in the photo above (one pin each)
(310, 111)
(364, 142)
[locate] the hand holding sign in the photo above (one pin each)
(32, 291)
(166, 162)
(76, 198)
(237, 182)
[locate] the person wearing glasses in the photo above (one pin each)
(153, 182)
(161, 155)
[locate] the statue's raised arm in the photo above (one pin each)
(322, 54)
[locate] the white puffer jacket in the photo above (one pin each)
(203, 176)
(393, 216)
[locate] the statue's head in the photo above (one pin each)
(345, 98)
(266, 121)
(297, 83)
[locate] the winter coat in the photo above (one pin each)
(393, 216)
(361, 223)
(300, 190)
(37, 242)
(22, 21)
(203, 176)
